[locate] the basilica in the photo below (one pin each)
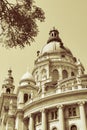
(53, 97)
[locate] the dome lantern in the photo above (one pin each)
(54, 36)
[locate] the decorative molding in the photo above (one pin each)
(81, 103)
(60, 106)
(31, 115)
(43, 110)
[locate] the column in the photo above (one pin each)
(60, 73)
(10, 125)
(79, 82)
(3, 126)
(82, 115)
(19, 121)
(26, 121)
(61, 117)
(59, 89)
(43, 91)
(44, 120)
(31, 122)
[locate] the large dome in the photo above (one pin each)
(54, 46)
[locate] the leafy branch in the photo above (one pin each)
(19, 22)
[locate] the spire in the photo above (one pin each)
(8, 86)
(9, 80)
(54, 36)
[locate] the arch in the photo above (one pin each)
(72, 73)
(52, 34)
(25, 97)
(55, 75)
(65, 74)
(73, 127)
(54, 128)
(8, 90)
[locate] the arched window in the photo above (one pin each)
(8, 90)
(54, 128)
(44, 74)
(73, 127)
(72, 74)
(55, 75)
(65, 74)
(25, 97)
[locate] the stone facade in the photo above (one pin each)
(53, 97)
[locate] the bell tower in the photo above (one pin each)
(8, 86)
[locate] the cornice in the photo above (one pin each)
(54, 96)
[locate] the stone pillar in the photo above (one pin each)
(44, 120)
(79, 82)
(43, 91)
(59, 89)
(82, 115)
(19, 120)
(60, 73)
(61, 117)
(3, 125)
(26, 121)
(31, 122)
(10, 125)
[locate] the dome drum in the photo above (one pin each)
(27, 81)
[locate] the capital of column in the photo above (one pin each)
(20, 115)
(30, 115)
(43, 110)
(60, 106)
(81, 103)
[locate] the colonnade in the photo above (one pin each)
(61, 117)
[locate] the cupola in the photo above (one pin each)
(54, 36)
(8, 86)
(27, 79)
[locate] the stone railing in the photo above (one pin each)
(73, 83)
(70, 84)
(63, 86)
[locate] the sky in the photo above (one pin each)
(69, 17)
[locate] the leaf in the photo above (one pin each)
(19, 22)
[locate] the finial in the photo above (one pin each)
(54, 28)
(10, 72)
(38, 52)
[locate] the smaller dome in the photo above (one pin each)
(27, 77)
